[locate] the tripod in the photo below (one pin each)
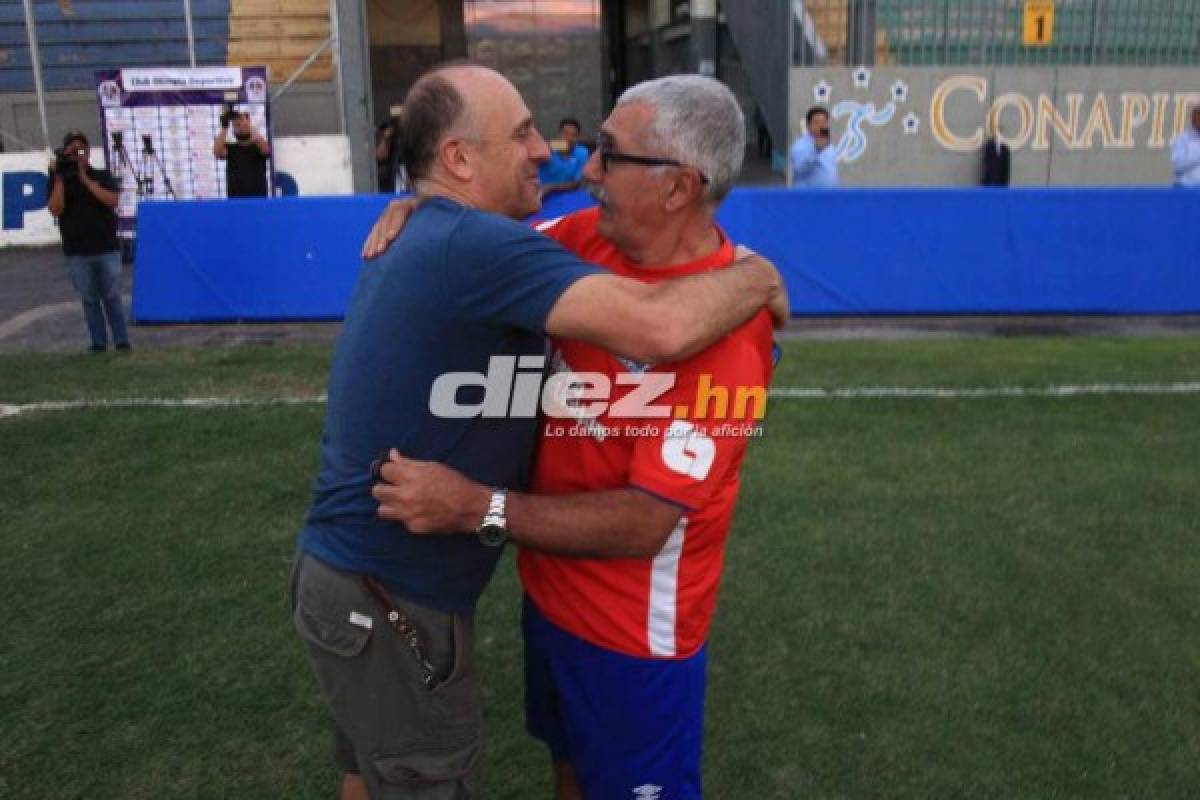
(151, 159)
(124, 165)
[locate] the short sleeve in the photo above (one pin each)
(107, 181)
(693, 454)
(502, 272)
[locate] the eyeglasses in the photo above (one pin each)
(608, 154)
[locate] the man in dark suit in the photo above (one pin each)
(997, 162)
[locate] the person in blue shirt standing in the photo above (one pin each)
(814, 158)
(463, 302)
(564, 171)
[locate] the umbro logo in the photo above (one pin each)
(648, 792)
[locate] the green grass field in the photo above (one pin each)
(952, 598)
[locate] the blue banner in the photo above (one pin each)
(849, 251)
(246, 259)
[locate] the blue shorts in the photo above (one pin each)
(630, 727)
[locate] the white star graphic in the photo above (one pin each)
(822, 92)
(862, 78)
(912, 123)
(900, 91)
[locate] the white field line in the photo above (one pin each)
(938, 393)
(782, 393)
(26, 318)
(12, 410)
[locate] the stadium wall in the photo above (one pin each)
(1067, 126)
(76, 39)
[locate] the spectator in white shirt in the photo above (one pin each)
(1185, 154)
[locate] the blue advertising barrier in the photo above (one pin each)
(850, 251)
(269, 260)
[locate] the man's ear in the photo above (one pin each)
(457, 158)
(684, 189)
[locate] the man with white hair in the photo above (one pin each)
(623, 532)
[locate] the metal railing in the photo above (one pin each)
(990, 32)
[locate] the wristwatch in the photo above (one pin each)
(493, 531)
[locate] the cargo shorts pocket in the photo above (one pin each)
(447, 772)
(339, 637)
(329, 611)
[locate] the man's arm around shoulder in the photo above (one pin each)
(647, 322)
(671, 320)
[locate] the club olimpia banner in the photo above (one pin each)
(304, 165)
(159, 126)
(1092, 126)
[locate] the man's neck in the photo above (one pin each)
(688, 241)
(435, 187)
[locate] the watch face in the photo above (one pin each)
(493, 535)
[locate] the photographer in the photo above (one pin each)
(389, 154)
(245, 157)
(84, 201)
(814, 160)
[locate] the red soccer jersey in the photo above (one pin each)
(663, 606)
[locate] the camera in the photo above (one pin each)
(227, 115)
(118, 138)
(824, 131)
(147, 144)
(65, 165)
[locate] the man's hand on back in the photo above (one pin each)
(777, 303)
(388, 226)
(428, 497)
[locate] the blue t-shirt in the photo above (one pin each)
(458, 287)
(564, 169)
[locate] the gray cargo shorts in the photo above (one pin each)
(409, 733)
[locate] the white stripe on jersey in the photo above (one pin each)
(664, 586)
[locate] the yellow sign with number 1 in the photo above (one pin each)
(1039, 23)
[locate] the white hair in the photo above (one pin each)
(697, 122)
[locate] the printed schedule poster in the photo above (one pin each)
(160, 124)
